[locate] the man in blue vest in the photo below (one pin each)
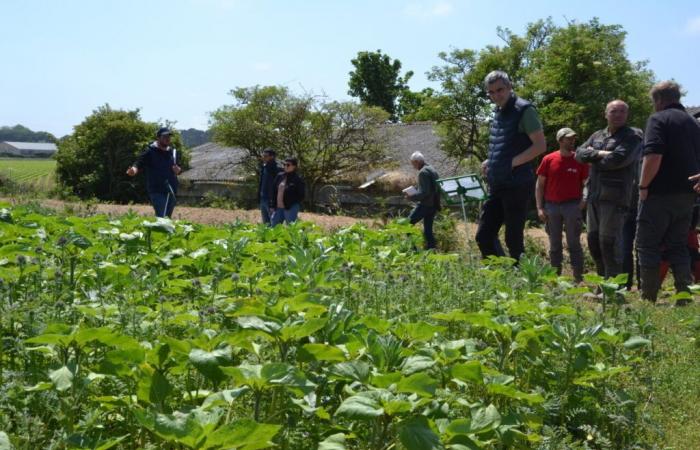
(516, 139)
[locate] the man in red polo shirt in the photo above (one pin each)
(559, 195)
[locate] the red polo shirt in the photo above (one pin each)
(565, 177)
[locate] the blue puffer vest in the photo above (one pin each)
(505, 143)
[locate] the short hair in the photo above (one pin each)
(292, 161)
(269, 151)
(666, 91)
(496, 75)
(617, 100)
(417, 156)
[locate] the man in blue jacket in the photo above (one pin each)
(516, 139)
(160, 162)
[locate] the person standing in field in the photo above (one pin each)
(427, 194)
(266, 185)
(516, 139)
(288, 193)
(666, 197)
(160, 162)
(612, 153)
(559, 197)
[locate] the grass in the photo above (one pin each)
(37, 173)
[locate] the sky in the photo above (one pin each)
(178, 60)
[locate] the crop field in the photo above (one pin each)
(38, 173)
(135, 333)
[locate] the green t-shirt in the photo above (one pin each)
(530, 122)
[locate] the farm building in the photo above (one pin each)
(28, 149)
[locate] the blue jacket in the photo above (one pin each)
(268, 173)
(158, 165)
(505, 143)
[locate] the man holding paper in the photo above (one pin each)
(160, 161)
(427, 195)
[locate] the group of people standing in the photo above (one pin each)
(636, 187)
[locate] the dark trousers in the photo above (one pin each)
(427, 215)
(604, 221)
(664, 221)
(507, 207)
(163, 204)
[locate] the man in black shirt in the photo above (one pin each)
(160, 161)
(268, 172)
(671, 156)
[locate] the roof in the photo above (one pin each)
(34, 146)
(694, 111)
(213, 162)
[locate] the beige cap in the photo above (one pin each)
(565, 132)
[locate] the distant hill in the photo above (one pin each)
(20, 133)
(194, 137)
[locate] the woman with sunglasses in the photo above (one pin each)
(287, 194)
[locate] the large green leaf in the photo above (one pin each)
(419, 383)
(320, 352)
(351, 371)
(209, 363)
(416, 363)
(511, 392)
(485, 419)
(415, 434)
(469, 371)
(360, 407)
(62, 378)
(333, 442)
(244, 434)
(5, 443)
(636, 342)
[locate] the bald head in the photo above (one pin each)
(616, 113)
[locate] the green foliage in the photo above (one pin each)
(20, 133)
(376, 80)
(570, 72)
(37, 174)
(92, 162)
(127, 333)
(330, 139)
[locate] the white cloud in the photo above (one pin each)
(693, 26)
(424, 10)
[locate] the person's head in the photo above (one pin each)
(665, 93)
(268, 155)
(499, 87)
(417, 160)
(566, 137)
(163, 136)
(616, 114)
(290, 165)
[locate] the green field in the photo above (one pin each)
(39, 173)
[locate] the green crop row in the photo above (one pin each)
(136, 334)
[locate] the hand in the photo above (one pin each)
(643, 194)
(176, 169)
(485, 167)
(132, 171)
(541, 214)
(696, 178)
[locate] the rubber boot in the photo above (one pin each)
(650, 283)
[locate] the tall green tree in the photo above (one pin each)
(376, 80)
(570, 72)
(92, 162)
(20, 133)
(330, 139)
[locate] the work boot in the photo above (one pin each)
(681, 280)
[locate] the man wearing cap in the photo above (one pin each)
(559, 196)
(427, 194)
(160, 162)
(268, 172)
(613, 153)
(516, 139)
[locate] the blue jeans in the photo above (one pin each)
(265, 211)
(285, 215)
(427, 215)
(163, 204)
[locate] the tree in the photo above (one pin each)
(93, 160)
(20, 133)
(376, 81)
(570, 72)
(330, 139)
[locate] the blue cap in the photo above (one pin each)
(163, 131)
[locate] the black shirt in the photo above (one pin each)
(158, 165)
(674, 134)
